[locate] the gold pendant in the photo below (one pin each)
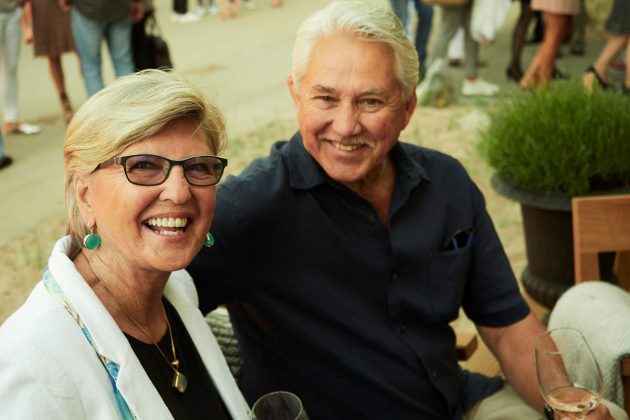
(180, 382)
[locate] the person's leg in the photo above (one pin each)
(118, 36)
(225, 10)
(87, 37)
(578, 40)
(514, 70)
(180, 6)
(236, 8)
(12, 41)
(451, 19)
(539, 27)
(555, 33)
(423, 30)
(541, 67)
(56, 74)
(471, 47)
(611, 50)
(139, 45)
(400, 9)
(4, 159)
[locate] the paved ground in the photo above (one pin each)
(242, 64)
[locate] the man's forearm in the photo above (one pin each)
(513, 346)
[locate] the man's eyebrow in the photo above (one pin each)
(323, 89)
(329, 90)
(375, 91)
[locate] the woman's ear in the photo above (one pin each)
(82, 193)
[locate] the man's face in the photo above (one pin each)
(350, 107)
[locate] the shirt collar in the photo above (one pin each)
(305, 172)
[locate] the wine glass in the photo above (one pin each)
(279, 405)
(568, 374)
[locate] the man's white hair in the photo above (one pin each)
(365, 21)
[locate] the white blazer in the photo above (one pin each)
(49, 370)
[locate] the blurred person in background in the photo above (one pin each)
(618, 25)
(514, 70)
(5, 160)
(422, 30)
(557, 15)
(452, 18)
(47, 26)
(10, 42)
(95, 20)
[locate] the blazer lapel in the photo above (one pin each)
(133, 382)
(182, 295)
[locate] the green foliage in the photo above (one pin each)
(560, 139)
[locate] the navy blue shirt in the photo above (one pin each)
(351, 316)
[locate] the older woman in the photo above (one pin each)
(113, 329)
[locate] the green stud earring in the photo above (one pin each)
(209, 241)
(91, 241)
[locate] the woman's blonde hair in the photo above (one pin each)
(129, 110)
(365, 21)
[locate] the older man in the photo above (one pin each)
(345, 254)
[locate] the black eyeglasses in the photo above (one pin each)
(150, 170)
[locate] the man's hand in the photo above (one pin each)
(137, 11)
(600, 413)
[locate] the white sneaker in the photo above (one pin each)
(189, 17)
(213, 10)
(249, 4)
(479, 87)
(201, 11)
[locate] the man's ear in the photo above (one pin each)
(410, 107)
(293, 89)
(82, 193)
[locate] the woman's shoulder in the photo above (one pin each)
(38, 313)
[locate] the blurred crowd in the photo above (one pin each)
(466, 25)
(57, 27)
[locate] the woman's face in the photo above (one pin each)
(153, 228)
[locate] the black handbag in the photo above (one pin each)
(157, 49)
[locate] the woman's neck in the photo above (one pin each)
(133, 298)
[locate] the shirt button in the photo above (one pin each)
(402, 329)
(434, 374)
(393, 278)
(371, 219)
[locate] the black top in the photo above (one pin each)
(350, 316)
(201, 399)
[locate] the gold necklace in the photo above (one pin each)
(180, 382)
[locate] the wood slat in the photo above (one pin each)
(466, 345)
(600, 224)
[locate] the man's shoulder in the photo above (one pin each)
(259, 172)
(431, 160)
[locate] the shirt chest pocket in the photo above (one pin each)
(431, 288)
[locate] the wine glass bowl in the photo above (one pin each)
(279, 405)
(569, 377)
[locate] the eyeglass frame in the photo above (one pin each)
(122, 160)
